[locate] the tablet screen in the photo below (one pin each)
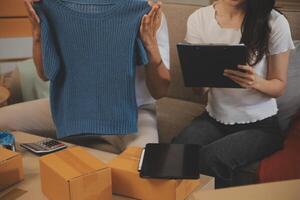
(170, 161)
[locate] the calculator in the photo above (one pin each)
(45, 146)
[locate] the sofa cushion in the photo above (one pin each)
(177, 31)
(284, 164)
(289, 103)
(173, 115)
(32, 86)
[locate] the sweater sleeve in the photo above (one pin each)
(142, 57)
(51, 60)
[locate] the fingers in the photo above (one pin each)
(155, 8)
(31, 12)
(144, 21)
(246, 68)
(28, 7)
(246, 78)
(243, 85)
(241, 81)
(153, 12)
(157, 14)
(36, 17)
(149, 19)
(243, 75)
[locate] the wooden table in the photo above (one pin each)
(285, 190)
(30, 188)
(4, 96)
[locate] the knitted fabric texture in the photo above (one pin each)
(90, 50)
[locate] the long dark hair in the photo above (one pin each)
(256, 29)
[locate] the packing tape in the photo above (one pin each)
(74, 161)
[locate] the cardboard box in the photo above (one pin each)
(126, 180)
(15, 27)
(12, 8)
(11, 168)
(74, 174)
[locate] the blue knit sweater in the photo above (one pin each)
(90, 50)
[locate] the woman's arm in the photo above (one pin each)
(37, 57)
(275, 83)
(157, 74)
(36, 34)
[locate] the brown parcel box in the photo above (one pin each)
(74, 174)
(11, 168)
(126, 180)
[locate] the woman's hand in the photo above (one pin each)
(149, 25)
(33, 18)
(36, 33)
(247, 77)
(157, 75)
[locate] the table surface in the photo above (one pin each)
(285, 190)
(29, 188)
(4, 94)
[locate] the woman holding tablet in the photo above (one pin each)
(240, 126)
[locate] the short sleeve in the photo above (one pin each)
(281, 38)
(193, 29)
(51, 60)
(162, 36)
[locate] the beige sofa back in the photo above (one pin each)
(177, 15)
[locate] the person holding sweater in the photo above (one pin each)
(240, 126)
(151, 83)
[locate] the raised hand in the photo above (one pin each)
(33, 18)
(150, 24)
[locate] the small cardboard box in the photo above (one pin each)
(11, 168)
(74, 174)
(126, 180)
(13, 8)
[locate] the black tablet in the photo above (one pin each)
(204, 65)
(170, 161)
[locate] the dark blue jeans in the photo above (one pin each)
(225, 148)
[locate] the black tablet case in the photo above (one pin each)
(170, 161)
(203, 65)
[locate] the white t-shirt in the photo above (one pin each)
(238, 106)
(143, 95)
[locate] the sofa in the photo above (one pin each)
(181, 105)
